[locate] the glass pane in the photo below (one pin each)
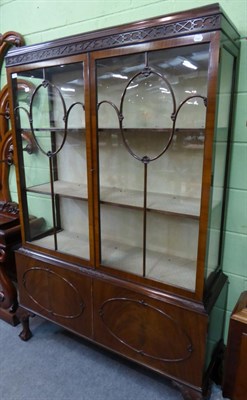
(220, 158)
(151, 127)
(50, 111)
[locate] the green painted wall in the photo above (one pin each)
(44, 20)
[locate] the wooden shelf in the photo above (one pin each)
(65, 189)
(189, 138)
(168, 203)
(53, 129)
(167, 268)
(182, 131)
(68, 242)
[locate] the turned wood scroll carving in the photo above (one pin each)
(7, 40)
(8, 211)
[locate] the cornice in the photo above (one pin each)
(100, 40)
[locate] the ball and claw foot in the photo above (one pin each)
(26, 333)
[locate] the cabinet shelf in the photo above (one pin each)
(53, 129)
(159, 202)
(65, 189)
(68, 242)
(190, 137)
(169, 268)
(160, 266)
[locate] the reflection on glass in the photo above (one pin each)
(50, 108)
(151, 120)
(220, 158)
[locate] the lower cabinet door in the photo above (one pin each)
(59, 293)
(166, 337)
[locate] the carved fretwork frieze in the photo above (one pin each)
(77, 45)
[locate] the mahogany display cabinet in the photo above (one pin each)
(122, 204)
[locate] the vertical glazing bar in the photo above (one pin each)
(53, 203)
(144, 219)
(146, 59)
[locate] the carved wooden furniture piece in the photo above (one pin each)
(235, 382)
(122, 205)
(10, 234)
(10, 237)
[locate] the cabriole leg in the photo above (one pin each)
(24, 316)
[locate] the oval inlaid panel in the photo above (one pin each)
(53, 292)
(146, 330)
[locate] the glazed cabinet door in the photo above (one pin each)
(54, 178)
(151, 121)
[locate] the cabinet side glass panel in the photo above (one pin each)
(49, 109)
(221, 139)
(151, 128)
